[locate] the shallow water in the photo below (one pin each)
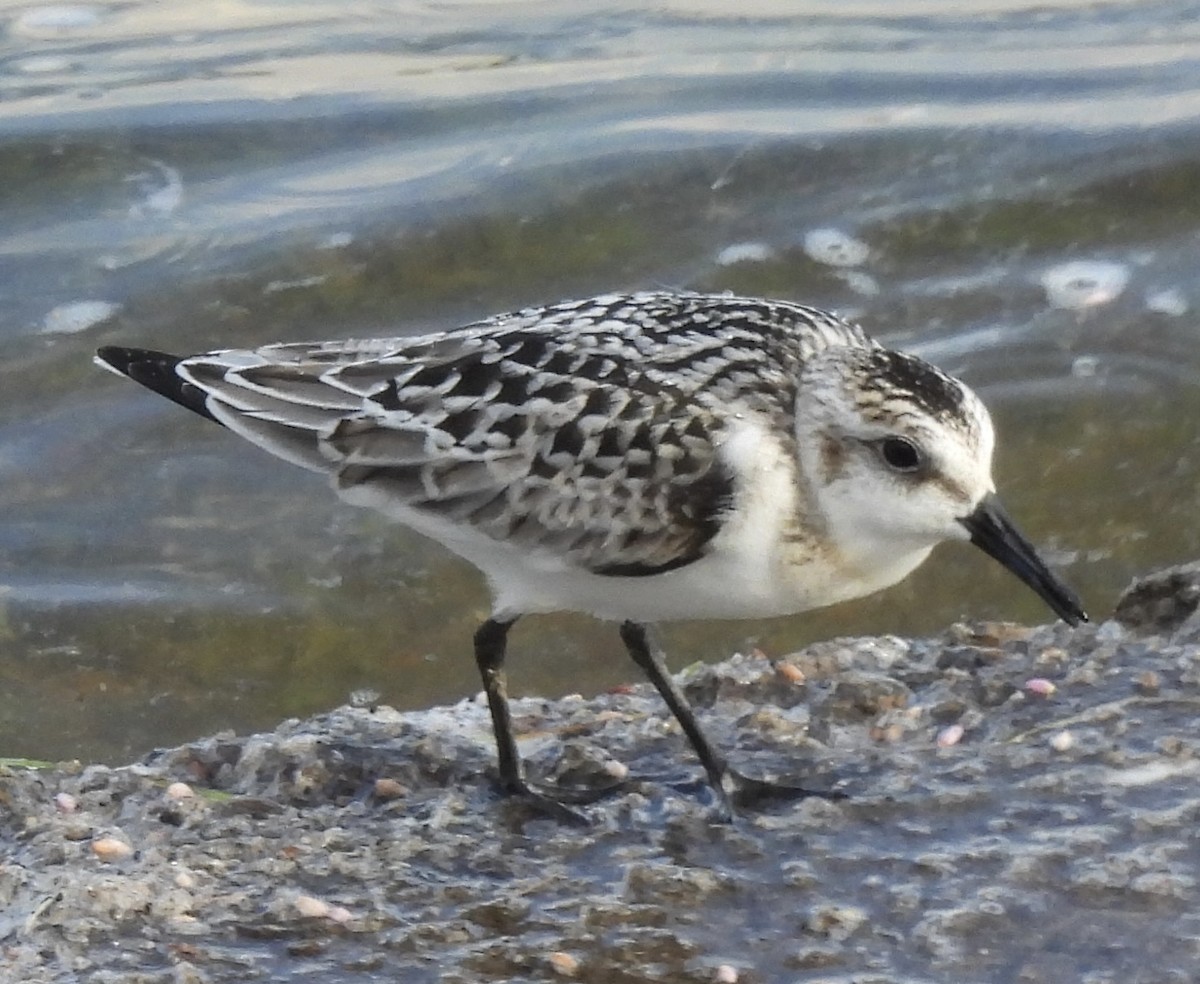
(189, 177)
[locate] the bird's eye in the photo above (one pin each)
(900, 454)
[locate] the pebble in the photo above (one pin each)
(1040, 686)
(790, 672)
(1062, 741)
(338, 914)
(311, 907)
(950, 735)
(1147, 683)
(726, 974)
(111, 849)
(563, 963)
(179, 790)
(618, 770)
(65, 803)
(387, 788)
(1053, 654)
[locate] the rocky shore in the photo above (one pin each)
(1021, 806)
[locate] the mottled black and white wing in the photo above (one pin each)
(589, 430)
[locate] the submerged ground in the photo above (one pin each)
(1022, 805)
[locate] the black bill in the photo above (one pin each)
(994, 533)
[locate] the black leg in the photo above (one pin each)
(490, 643)
(730, 786)
(491, 640)
(649, 656)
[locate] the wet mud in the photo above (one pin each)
(1021, 805)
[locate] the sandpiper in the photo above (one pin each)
(638, 457)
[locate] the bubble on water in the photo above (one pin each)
(160, 199)
(57, 19)
(68, 319)
(744, 253)
(860, 283)
(1083, 284)
(1168, 301)
(834, 248)
(43, 65)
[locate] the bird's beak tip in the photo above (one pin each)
(990, 528)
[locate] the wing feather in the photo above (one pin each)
(590, 430)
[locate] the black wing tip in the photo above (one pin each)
(127, 360)
(156, 371)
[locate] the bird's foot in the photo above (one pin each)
(552, 801)
(737, 790)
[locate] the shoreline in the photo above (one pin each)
(1020, 806)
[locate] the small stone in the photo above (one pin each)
(187, 973)
(311, 907)
(791, 672)
(1040, 686)
(1053, 655)
(65, 803)
(179, 790)
(836, 922)
(185, 880)
(364, 697)
(563, 963)
(1062, 741)
(111, 849)
(618, 770)
(1147, 683)
(888, 733)
(726, 974)
(950, 736)
(338, 914)
(387, 788)
(997, 633)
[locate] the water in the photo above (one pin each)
(188, 177)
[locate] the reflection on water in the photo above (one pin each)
(190, 179)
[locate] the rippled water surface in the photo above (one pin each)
(190, 176)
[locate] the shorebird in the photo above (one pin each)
(637, 457)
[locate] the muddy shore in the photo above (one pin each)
(1021, 806)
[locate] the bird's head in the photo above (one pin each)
(899, 457)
